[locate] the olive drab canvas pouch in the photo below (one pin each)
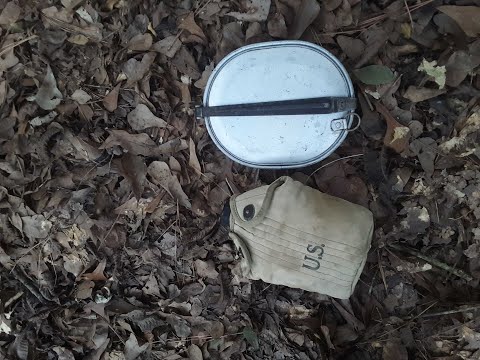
(293, 235)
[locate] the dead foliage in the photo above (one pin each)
(111, 192)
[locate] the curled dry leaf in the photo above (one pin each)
(162, 176)
(193, 159)
(466, 17)
(142, 118)
(255, 10)
(134, 169)
(397, 135)
(110, 101)
(48, 95)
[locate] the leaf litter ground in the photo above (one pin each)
(111, 192)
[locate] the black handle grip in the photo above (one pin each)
(320, 105)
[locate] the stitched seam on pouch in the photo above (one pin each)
(303, 243)
(304, 232)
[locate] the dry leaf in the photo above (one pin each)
(193, 160)
(10, 13)
(194, 352)
(48, 95)
(459, 65)
(36, 226)
(206, 269)
(132, 349)
(78, 39)
(277, 26)
(81, 96)
(73, 264)
(350, 46)
(110, 100)
(140, 42)
(142, 118)
(397, 135)
(168, 46)
(151, 286)
(136, 70)
(189, 24)
(98, 273)
(255, 10)
(466, 17)
(416, 94)
(137, 144)
(134, 169)
(306, 13)
(84, 290)
(394, 350)
(162, 176)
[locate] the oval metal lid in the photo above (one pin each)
(274, 71)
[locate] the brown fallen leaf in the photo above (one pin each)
(10, 13)
(394, 350)
(140, 42)
(353, 48)
(206, 269)
(466, 17)
(460, 64)
(134, 169)
(277, 26)
(36, 226)
(397, 135)
(84, 290)
(137, 144)
(162, 176)
(132, 349)
(193, 159)
(81, 96)
(416, 94)
(48, 95)
(135, 70)
(142, 118)
(188, 23)
(255, 10)
(304, 16)
(98, 273)
(110, 101)
(168, 46)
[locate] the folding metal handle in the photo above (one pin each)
(320, 105)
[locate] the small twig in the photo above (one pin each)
(11, 46)
(332, 162)
(434, 262)
(409, 13)
(448, 312)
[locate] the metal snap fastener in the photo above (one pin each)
(248, 212)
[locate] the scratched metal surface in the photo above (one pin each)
(272, 71)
